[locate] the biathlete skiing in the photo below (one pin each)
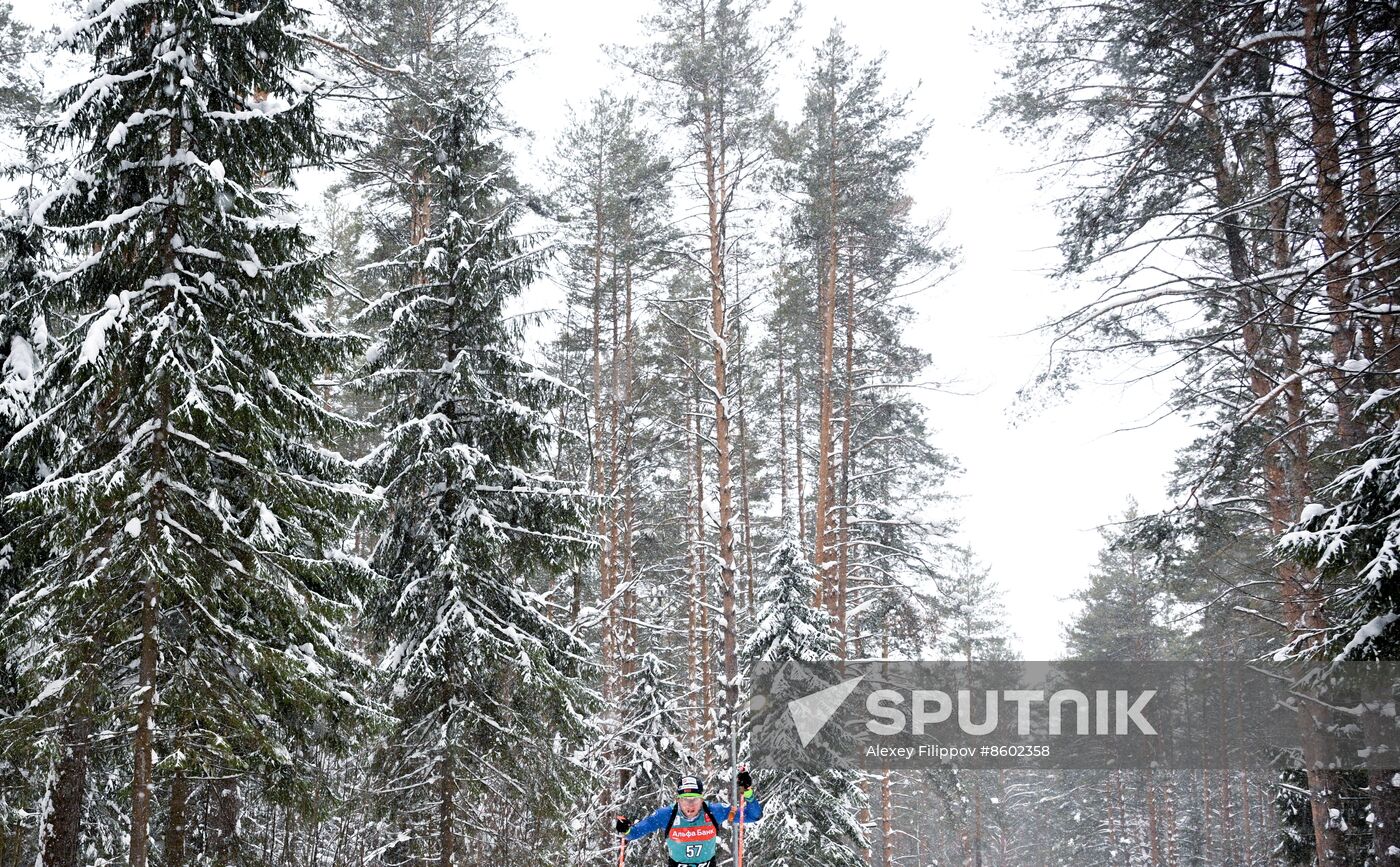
(692, 824)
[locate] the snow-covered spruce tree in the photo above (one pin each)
(23, 340)
(193, 511)
(1353, 537)
(1117, 815)
(971, 612)
(812, 820)
(1352, 540)
(787, 625)
(651, 755)
(1122, 606)
(641, 762)
(484, 686)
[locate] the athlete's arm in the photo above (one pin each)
(650, 825)
(753, 810)
(719, 812)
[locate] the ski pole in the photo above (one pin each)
(621, 849)
(739, 848)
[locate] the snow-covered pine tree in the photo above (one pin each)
(1292, 288)
(613, 202)
(484, 686)
(812, 819)
(708, 63)
(194, 511)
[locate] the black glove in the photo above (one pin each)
(623, 825)
(745, 781)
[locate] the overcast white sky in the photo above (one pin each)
(1034, 492)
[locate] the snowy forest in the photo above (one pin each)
(366, 501)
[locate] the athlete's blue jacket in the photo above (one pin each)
(700, 847)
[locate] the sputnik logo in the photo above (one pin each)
(811, 712)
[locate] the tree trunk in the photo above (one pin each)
(629, 505)
(1227, 823)
(744, 505)
(599, 485)
(826, 311)
(447, 785)
(843, 565)
(701, 600)
(1332, 213)
(976, 821)
(1282, 494)
(694, 565)
(887, 820)
(612, 508)
(1154, 834)
(719, 320)
(176, 823)
(783, 507)
(143, 742)
(61, 836)
(1385, 798)
(1206, 820)
(1306, 605)
(225, 834)
(801, 499)
(1169, 818)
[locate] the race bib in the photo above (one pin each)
(692, 844)
(695, 834)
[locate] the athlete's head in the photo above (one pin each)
(691, 796)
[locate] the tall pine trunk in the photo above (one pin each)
(1304, 607)
(716, 196)
(843, 564)
(596, 446)
(784, 483)
(744, 505)
(629, 503)
(826, 312)
(797, 453)
(1380, 781)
